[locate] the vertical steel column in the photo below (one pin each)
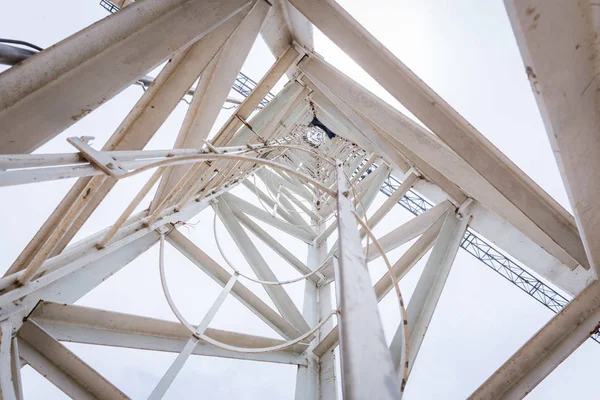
(307, 377)
(366, 363)
(327, 372)
(317, 381)
(7, 383)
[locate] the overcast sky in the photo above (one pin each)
(464, 50)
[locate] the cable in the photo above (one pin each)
(249, 277)
(22, 43)
(216, 343)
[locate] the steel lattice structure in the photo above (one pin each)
(313, 158)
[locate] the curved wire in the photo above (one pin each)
(22, 43)
(216, 343)
(249, 277)
(364, 224)
(177, 160)
(285, 209)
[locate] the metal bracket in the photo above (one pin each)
(462, 210)
(106, 163)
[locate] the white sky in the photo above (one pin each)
(464, 50)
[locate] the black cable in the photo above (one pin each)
(12, 41)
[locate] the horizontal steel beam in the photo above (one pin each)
(241, 292)
(62, 367)
(108, 328)
(449, 126)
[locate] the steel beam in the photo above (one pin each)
(243, 294)
(318, 380)
(402, 234)
(264, 216)
(62, 367)
(284, 27)
(211, 92)
(281, 65)
(562, 72)
(10, 376)
(268, 175)
(277, 247)
(391, 201)
(80, 268)
(385, 284)
(394, 150)
(429, 288)
(79, 324)
(365, 198)
(280, 298)
(293, 218)
(401, 130)
(116, 51)
(165, 382)
(260, 123)
(409, 230)
(307, 376)
(549, 347)
(366, 364)
(468, 143)
(136, 130)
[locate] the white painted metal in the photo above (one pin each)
(390, 202)
(274, 185)
(123, 48)
(446, 123)
(280, 298)
(307, 377)
(264, 216)
(62, 367)
(563, 75)
(137, 128)
(248, 133)
(15, 369)
(210, 41)
(169, 376)
(7, 377)
(409, 258)
(318, 379)
(366, 198)
(549, 347)
(277, 247)
(395, 150)
(409, 135)
(212, 90)
(429, 288)
(366, 365)
(243, 294)
(385, 284)
(108, 328)
(409, 230)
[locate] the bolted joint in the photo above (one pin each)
(463, 209)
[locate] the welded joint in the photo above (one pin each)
(299, 79)
(109, 165)
(414, 171)
(163, 230)
(325, 280)
(211, 147)
(462, 210)
(300, 49)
